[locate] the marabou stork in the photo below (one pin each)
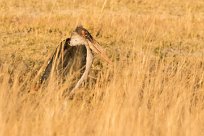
(74, 56)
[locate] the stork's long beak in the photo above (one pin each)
(99, 50)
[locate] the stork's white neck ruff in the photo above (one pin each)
(89, 60)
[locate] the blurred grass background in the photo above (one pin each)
(154, 88)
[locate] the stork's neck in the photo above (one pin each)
(89, 60)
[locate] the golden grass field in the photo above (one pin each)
(154, 88)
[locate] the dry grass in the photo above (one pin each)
(154, 88)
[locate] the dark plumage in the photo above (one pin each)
(65, 59)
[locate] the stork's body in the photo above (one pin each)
(74, 56)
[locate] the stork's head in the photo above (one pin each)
(82, 37)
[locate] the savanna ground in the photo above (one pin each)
(155, 86)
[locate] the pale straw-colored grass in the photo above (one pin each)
(155, 86)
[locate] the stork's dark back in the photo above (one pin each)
(65, 60)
